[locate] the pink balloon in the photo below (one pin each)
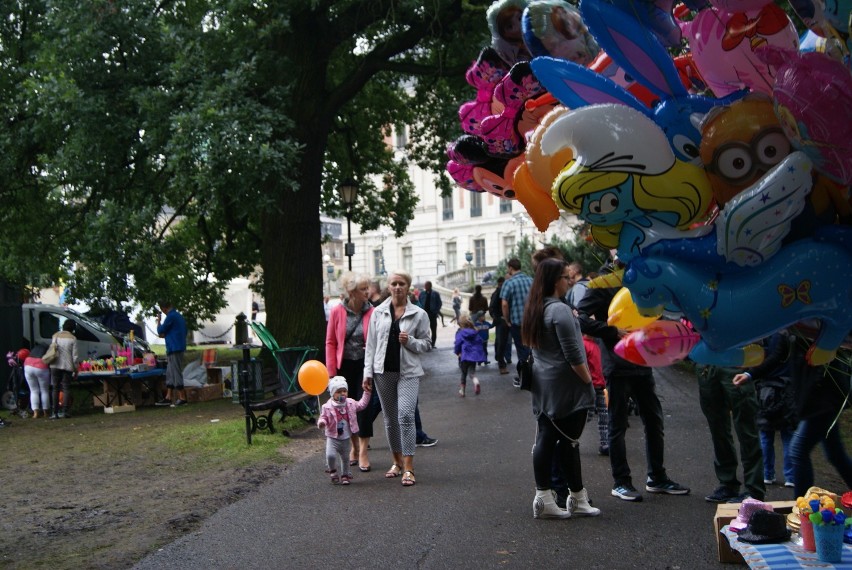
(659, 344)
(813, 100)
(723, 46)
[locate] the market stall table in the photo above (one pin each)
(783, 555)
(122, 388)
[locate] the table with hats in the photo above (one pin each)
(779, 535)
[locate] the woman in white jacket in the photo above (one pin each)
(62, 369)
(398, 333)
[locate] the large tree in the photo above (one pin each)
(165, 147)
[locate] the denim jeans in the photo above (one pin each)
(810, 432)
(767, 443)
(522, 351)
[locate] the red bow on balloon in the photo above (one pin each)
(768, 22)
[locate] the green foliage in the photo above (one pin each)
(159, 149)
(590, 256)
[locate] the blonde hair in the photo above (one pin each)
(351, 281)
(683, 190)
(400, 273)
(465, 322)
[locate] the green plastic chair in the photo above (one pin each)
(288, 359)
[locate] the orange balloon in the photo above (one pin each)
(313, 377)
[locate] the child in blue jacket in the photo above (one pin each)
(482, 326)
(470, 350)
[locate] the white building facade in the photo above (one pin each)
(441, 233)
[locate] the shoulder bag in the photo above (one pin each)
(525, 373)
(51, 355)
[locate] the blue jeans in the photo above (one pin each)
(767, 443)
(522, 351)
(810, 432)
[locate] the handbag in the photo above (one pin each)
(525, 373)
(51, 355)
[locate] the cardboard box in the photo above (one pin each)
(216, 374)
(204, 393)
(725, 513)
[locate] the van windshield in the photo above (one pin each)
(89, 322)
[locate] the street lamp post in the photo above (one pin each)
(329, 267)
(468, 256)
(384, 235)
(348, 192)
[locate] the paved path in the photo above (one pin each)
(472, 505)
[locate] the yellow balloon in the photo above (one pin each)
(624, 314)
(313, 377)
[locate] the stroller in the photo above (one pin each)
(17, 395)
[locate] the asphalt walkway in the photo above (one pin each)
(472, 505)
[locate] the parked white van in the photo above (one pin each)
(94, 340)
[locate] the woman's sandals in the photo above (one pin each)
(394, 471)
(408, 479)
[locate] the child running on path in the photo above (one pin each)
(469, 348)
(339, 421)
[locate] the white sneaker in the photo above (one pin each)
(545, 507)
(582, 506)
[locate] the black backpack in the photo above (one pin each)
(775, 398)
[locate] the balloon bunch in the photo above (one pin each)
(721, 175)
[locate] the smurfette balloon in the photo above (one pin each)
(624, 179)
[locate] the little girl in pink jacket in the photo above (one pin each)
(338, 419)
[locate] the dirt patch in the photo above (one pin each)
(102, 491)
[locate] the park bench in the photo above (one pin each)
(280, 393)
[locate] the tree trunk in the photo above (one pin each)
(291, 257)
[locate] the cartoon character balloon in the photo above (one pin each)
(740, 143)
(658, 344)
(724, 46)
(624, 178)
(639, 53)
(813, 99)
(555, 28)
(504, 22)
(484, 74)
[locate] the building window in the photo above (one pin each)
(447, 202)
(505, 206)
(452, 256)
(401, 137)
(475, 204)
(378, 262)
(508, 245)
(479, 252)
(407, 259)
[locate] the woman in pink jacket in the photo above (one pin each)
(344, 355)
